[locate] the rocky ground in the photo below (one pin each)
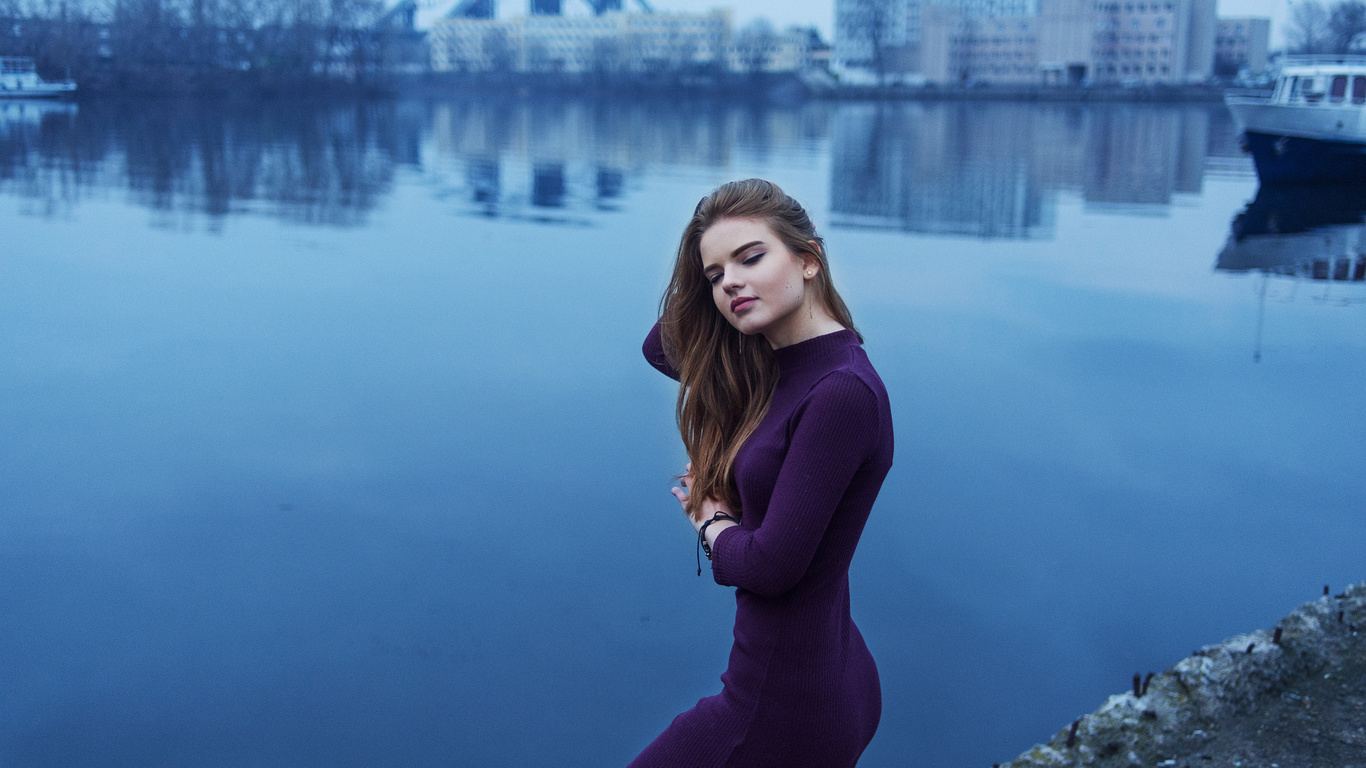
(1293, 696)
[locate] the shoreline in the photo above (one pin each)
(1290, 696)
(763, 87)
(787, 87)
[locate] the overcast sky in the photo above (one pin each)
(821, 13)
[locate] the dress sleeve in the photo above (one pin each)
(654, 353)
(836, 432)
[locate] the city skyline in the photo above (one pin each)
(821, 13)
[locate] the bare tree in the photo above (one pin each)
(878, 22)
(605, 56)
(498, 51)
(1309, 28)
(1346, 21)
(755, 44)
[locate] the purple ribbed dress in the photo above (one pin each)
(801, 688)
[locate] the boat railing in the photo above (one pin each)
(1249, 94)
(1323, 59)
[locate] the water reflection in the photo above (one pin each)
(532, 158)
(956, 168)
(993, 170)
(312, 164)
(1318, 233)
(976, 169)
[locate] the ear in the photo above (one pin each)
(811, 263)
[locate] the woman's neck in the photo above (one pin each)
(808, 324)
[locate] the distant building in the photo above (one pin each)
(1240, 45)
(967, 49)
(1152, 41)
(1143, 42)
(611, 42)
(762, 50)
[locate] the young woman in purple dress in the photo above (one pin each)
(789, 435)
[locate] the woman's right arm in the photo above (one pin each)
(654, 353)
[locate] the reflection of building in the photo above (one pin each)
(982, 169)
(1141, 156)
(563, 157)
(1240, 44)
(936, 168)
(993, 170)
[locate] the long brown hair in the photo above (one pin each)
(726, 380)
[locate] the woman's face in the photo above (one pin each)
(758, 284)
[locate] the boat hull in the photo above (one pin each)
(1281, 158)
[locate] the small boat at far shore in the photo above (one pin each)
(19, 80)
(1313, 125)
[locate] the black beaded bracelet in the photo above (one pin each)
(702, 537)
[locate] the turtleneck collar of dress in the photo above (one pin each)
(797, 356)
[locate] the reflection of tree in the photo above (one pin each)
(323, 165)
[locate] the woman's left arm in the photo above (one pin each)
(837, 430)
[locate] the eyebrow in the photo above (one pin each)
(735, 253)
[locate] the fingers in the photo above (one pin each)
(681, 495)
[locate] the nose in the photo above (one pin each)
(730, 281)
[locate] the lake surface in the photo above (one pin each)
(327, 440)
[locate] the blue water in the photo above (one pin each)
(327, 441)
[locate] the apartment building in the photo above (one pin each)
(1240, 45)
(1031, 42)
(1153, 41)
(611, 42)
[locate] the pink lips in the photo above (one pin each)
(741, 303)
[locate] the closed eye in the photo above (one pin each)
(753, 259)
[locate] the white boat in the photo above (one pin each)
(19, 80)
(1313, 125)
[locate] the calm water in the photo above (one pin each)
(326, 438)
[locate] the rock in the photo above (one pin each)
(1187, 706)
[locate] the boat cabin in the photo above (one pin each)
(1337, 80)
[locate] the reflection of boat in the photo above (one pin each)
(23, 112)
(19, 80)
(1318, 232)
(1313, 125)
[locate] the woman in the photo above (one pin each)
(789, 434)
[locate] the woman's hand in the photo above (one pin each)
(710, 507)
